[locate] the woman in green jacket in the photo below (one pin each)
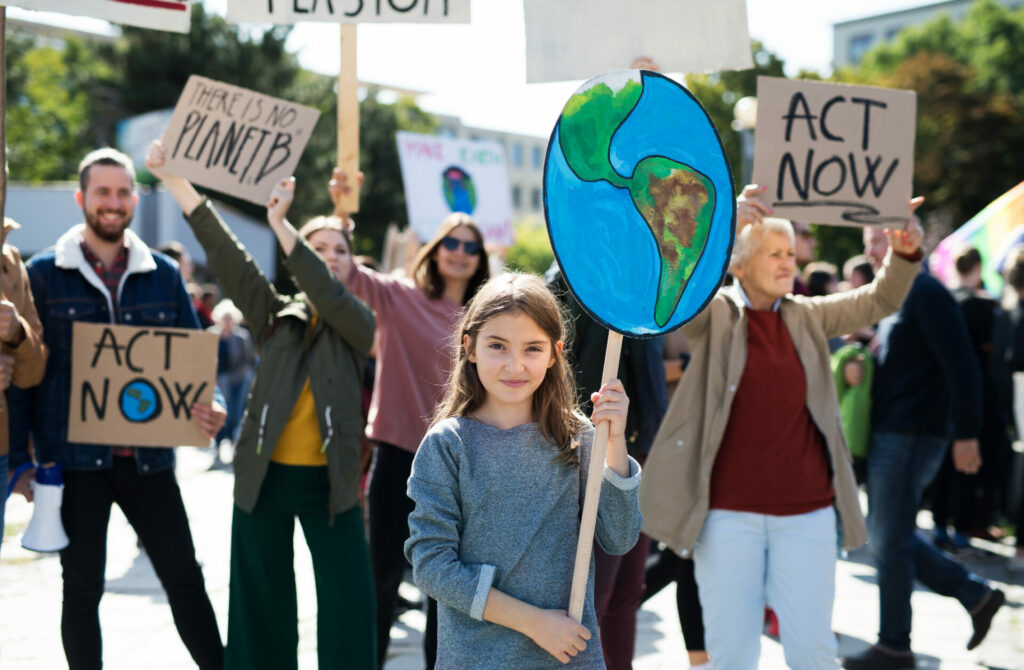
(298, 452)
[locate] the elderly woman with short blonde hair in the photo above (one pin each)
(750, 459)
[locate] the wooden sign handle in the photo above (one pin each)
(585, 545)
(348, 120)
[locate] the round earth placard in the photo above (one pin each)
(639, 202)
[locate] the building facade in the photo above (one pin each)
(852, 39)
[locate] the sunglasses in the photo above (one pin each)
(452, 243)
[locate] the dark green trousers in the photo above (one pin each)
(262, 611)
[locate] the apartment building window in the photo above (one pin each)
(535, 199)
(537, 158)
(517, 197)
(517, 154)
(860, 45)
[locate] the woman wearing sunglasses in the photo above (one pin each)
(415, 321)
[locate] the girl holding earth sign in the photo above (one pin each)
(298, 454)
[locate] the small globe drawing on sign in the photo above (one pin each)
(139, 401)
(459, 192)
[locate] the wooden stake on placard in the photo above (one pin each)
(585, 545)
(348, 120)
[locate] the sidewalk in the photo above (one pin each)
(139, 632)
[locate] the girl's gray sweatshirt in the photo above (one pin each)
(493, 508)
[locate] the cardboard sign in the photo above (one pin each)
(349, 11)
(639, 202)
(444, 175)
(234, 140)
(135, 386)
(170, 15)
(575, 39)
(834, 153)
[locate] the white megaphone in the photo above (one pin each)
(45, 532)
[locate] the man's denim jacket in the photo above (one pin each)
(67, 289)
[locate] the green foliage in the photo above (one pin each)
(63, 103)
(837, 244)
(969, 78)
(718, 93)
(51, 104)
(532, 250)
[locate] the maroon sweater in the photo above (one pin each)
(772, 459)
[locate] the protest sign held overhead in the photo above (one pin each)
(234, 140)
(170, 15)
(135, 386)
(834, 153)
(574, 39)
(349, 11)
(444, 175)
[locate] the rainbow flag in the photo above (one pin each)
(994, 231)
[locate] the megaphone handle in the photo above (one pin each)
(14, 478)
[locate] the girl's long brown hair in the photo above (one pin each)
(554, 400)
(425, 273)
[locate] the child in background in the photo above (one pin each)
(498, 485)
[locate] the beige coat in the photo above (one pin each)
(676, 481)
(30, 354)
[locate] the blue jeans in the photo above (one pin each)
(236, 395)
(900, 467)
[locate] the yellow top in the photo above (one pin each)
(300, 440)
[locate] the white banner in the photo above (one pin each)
(170, 15)
(348, 11)
(444, 175)
(579, 39)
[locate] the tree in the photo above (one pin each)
(969, 79)
(718, 93)
(52, 99)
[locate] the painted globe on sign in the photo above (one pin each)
(639, 202)
(139, 401)
(459, 191)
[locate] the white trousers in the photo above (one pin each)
(744, 561)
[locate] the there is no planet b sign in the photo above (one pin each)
(639, 202)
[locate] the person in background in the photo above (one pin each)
(176, 251)
(101, 272)
(1009, 359)
(664, 566)
(618, 580)
(236, 363)
(926, 392)
(416, 319)
(820, 278)
(298, 452)
(858, 271)
(23, 352)
(969, 501)
(804, 244)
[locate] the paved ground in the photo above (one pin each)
(139, 633)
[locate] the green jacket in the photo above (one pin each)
(854, 401)
(332, 355)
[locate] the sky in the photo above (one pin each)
(478, 71)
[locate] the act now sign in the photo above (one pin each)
(135, 386)
(444, 175)
(834, 153)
